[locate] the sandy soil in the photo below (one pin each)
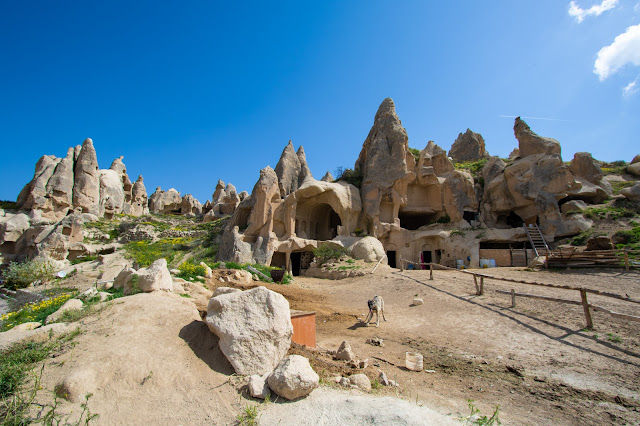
(149, 359)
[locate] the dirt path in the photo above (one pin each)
(535, 361)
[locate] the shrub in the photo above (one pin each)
(20, 275)
(444, 219)
(190, 270)
(415, 152)
(34, 312)
(8, 205)
(354, 177)
(83, 259)
(326, 252)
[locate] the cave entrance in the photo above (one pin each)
(412, 221)
(391, 258)
(324, 223)
(511, 220)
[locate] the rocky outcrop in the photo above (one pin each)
(328, 177)
(190, 206)
(634, 167)
(531, 144)
(86, 187)
(139, 199)
(291, 170)
(528, 190)
(293, 378)
(224, 202)
(165, 202)
(254, 328)
(369, 249)
(75, 183)
(632, 193)
(469, 146)
(587, 172)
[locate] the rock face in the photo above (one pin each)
(293, 378)
(224, 202)
(165, 202)
(632, 193)
(469, 146)
(254, 328)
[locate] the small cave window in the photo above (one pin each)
(470, 216)
(512, 220)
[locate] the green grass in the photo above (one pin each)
(83, 259)
(614, 338)
(262, 268)
(474, 417)
(249, 416)
(617, 186)
(416, 153)
(34, 312)
(630, 238)
(16, 400)
(473, 167)
(144, 253)
(619, 209)
(191, 270)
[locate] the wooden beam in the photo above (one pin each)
(535, 296)
(585, 306)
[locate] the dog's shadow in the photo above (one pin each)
(357, 325)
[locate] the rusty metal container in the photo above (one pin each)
(304, 328)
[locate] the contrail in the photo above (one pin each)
(534, 118)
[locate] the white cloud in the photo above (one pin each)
(631, 88)
(625, 49)
(597, 9)
(636, 8)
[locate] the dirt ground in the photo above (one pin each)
(149, 359)
(536, 361)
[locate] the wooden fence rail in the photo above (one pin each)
(478, 279)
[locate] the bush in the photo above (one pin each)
(444, 219)
(190, 270)
(354, 177)
(20, 275)
(34, 312)
(325, 252)
(8, 205)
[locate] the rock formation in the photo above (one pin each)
(139, 199)
(224, 201)
(62, 185)
(292, 169)
(328, 177)
(469, 146)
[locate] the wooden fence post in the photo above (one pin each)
(585, 306)
(475, 281)
(626, 260)
(481, 286)
(513, 298)
(431, 271)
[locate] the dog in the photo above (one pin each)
(376, 304)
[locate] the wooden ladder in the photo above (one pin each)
(537, 240)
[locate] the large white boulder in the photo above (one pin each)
(155, 277)
(254, 328)
(369, 249)
(293, 378)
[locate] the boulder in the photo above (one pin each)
(599, 242)
(573, 206)
(208, 273)
(361, 381)
(123, 278)
(586, 167)
(531, 144)
(155, 277)
(469, 146)
(254, 328)
(69, 305)
(632, 193)
(190, 205)
(293, 378)
(344, 352)
(369, 249)
(493, 168)
(634, 169)
(258, 387)
(636, 159)
(12, 229)
(86, 185)
(225, 290)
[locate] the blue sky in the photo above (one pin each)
(197, 91)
